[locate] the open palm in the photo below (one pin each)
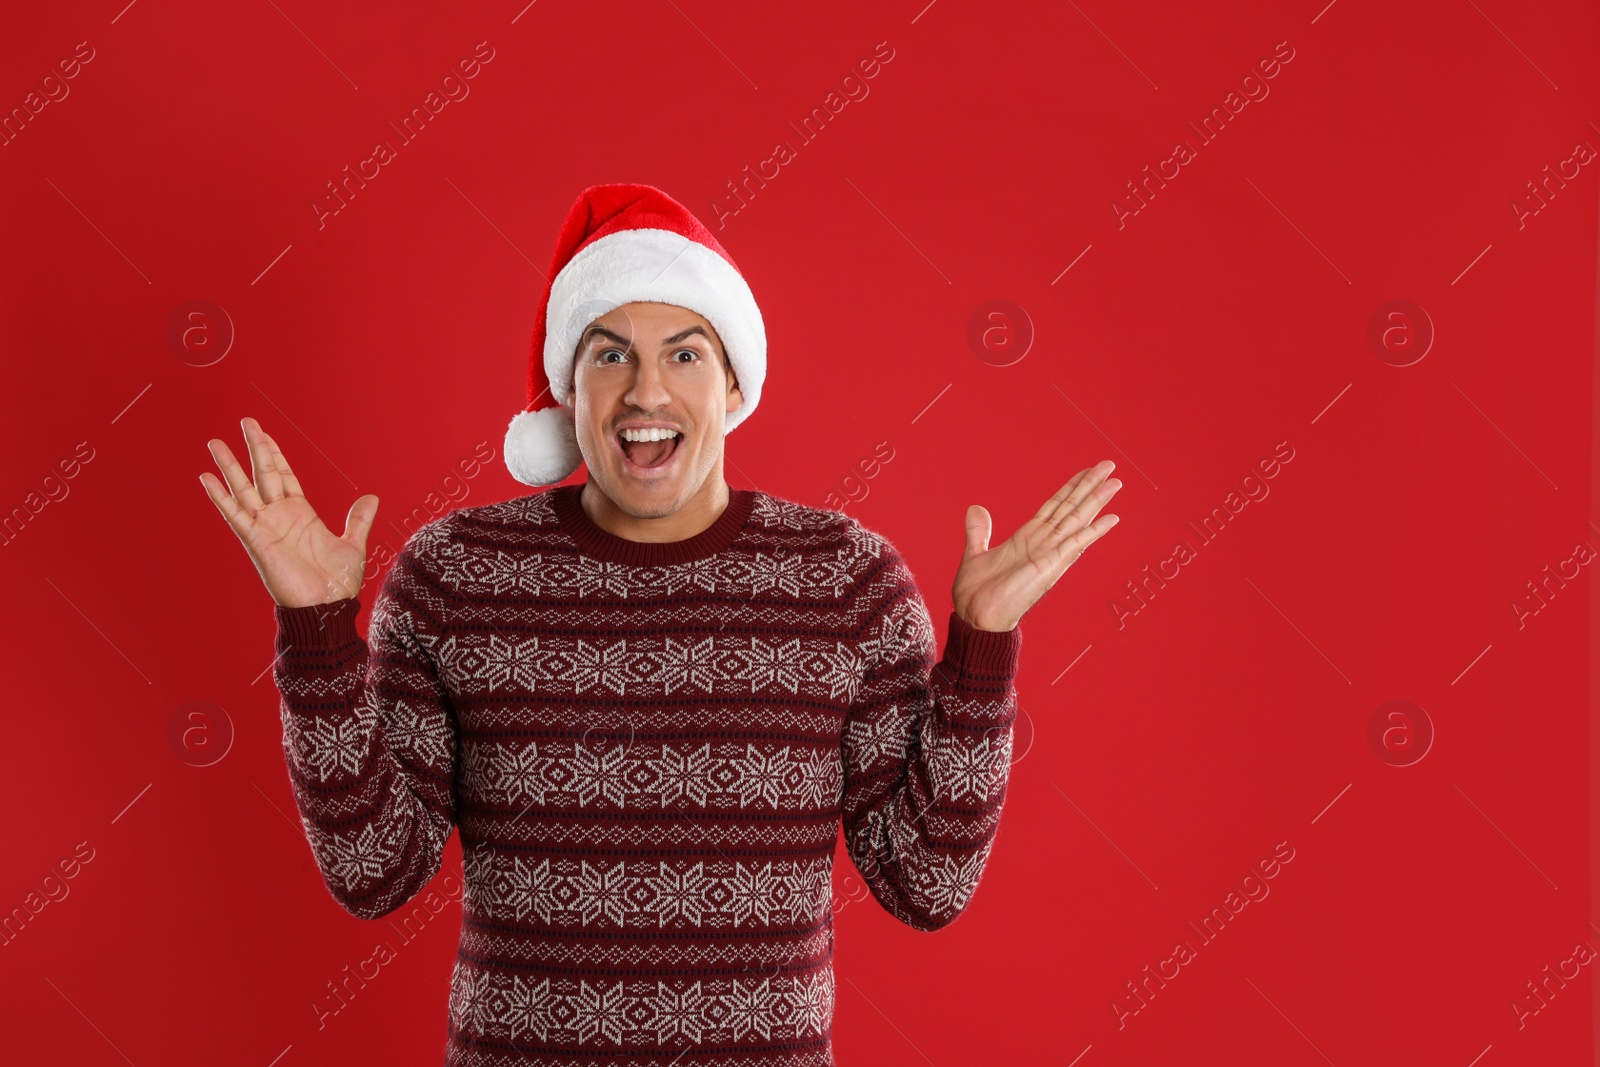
(301, 561)
(994, 587)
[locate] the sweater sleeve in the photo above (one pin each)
(927, 753)
(369, 738)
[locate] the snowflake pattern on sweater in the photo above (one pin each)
(647, 750)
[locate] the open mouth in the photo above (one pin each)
(641, 456)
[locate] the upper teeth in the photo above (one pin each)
(648, 435)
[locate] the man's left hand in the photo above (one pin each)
(994, 587)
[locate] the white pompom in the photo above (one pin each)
(541, 447)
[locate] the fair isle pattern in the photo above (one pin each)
(646, 1014)
(732, 776)
(647, 750)
(653, 894)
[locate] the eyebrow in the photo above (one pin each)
(619, 339)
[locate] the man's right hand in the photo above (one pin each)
(301, 561)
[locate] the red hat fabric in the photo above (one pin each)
(619, 244)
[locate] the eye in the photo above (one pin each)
(691, 351)
(604, 352)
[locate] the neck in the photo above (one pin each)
(695, 516)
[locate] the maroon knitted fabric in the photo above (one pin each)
(647, 749)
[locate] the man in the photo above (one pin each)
(646, 702)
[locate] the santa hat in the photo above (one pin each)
(619, 244)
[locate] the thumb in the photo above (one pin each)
(358, 524)
(979, 526)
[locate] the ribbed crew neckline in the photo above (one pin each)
(594, 541)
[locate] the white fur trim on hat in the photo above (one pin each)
(668, 268)
(541, 447)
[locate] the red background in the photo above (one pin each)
(1230, 314)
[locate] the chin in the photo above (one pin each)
(646, 492)
(644, 502)
(643, 498)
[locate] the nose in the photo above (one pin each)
(648, 389)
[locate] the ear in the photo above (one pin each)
(735, 394)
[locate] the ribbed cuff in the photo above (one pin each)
(992, 654)
(317, 626)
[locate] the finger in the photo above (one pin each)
(1049, 507)
(979, 528)
(1090, 534)
(1068, 549)
(1093, 478)
(268, 482)
(231, 511)
(1083, 513)
(291, 484)
(358, 523)
(244, 494)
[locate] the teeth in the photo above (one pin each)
(648, 435)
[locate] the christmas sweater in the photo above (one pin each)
(648, 750)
